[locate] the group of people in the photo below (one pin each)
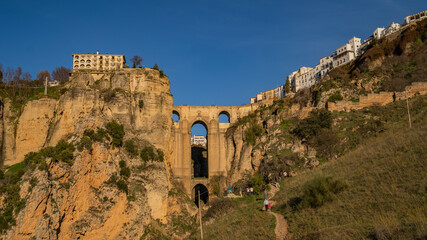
(250, 191)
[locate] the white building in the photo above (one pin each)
(322, 69)
(279, 92)
(346, 53)
(98, 62)
(378, 33)
(392, 28)
(382, 32)
(199, 140)
(303, 78)
(53, 83)
(416, 17)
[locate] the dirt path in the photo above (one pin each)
(281, 229)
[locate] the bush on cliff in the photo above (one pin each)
(116, 131)
(131, 148)
(149, 153)
(311, 126)
(85, 143)
(253, 132)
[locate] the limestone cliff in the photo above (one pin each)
(103, 190)
(263, 138)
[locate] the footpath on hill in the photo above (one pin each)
(281, 229)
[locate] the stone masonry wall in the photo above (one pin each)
(379, 99)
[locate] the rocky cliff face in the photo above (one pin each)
(105, 192)
(262, 138)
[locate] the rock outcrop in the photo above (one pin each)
(85, 200)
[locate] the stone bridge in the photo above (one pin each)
(208, 116)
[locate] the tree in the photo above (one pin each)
(156, 67)
(9, 74)
(26, 77)
(42, 75)
(61, 74)
(287, 85)
(137, 60)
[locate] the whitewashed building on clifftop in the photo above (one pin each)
(100, 62)
(346, 53)
(416, 17)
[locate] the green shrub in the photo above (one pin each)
(116, 131)
(255, 181)
(162, 74)
(217, 182)
(156, 67)
(99, 136)
(160, 155)
(141, 104)
(335, 97)
(43, 165)
(125, 172)
(131, 148)
(63, 151)
(85, 143)
(113, 179)
(253, 132)
(122, 185)
(16, 167)
(147, 153)
(218, 207)
(109, 95)
(122, 163)
(320, 190)
(311, 126)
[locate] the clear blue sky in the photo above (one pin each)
(215, 52)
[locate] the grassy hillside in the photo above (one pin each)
(385, 187)
(241, 219)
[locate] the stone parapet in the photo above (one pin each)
(379, 99)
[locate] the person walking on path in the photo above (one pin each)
(266, 204)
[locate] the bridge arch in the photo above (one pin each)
(204, 194)
(175, 116)
(224, 117)
(199, 150)
(218, 155)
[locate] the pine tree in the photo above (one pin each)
(287, 85)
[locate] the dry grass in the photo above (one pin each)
(244, 221)
(386, 194)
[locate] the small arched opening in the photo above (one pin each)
(202, 191)
(175, 116)
(224, 117)
(199, 149)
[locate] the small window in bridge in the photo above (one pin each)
(175, 116)
(224, 117)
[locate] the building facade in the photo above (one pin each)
(416, 17)
(303, 78)
(99, 62)
(199, 140)
(346, 53)
(272, 94)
